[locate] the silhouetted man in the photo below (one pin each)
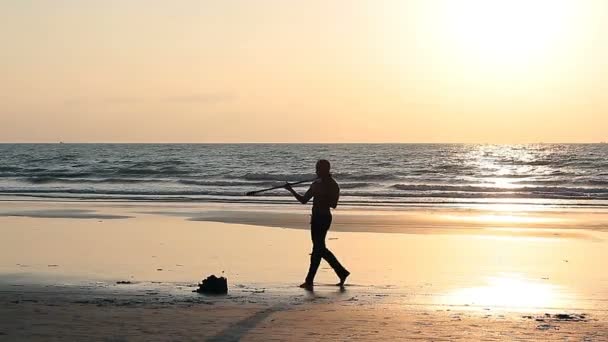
(326, 193)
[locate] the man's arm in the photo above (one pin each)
(302, 199)
(335, 196)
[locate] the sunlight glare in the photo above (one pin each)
(507, 32)
(502, 219)
(507, 291)
(511, 219)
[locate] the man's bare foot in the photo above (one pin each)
(307, 286)
(343, 279)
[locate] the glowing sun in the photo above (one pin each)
(507, 31)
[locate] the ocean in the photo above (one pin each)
(368, 174)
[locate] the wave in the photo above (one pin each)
(585, 183)
(202, 183)
(281, 177)
(300, 176)
(510, 176)
(123, 192)
(486, 195)
(224, 183)
(59, 180)
(152, 163)
(366, 176)
(378, 195)
(535, 163)
(59, 174)
(356, 185)
(9, 168)
(164, 171)
(486, 189)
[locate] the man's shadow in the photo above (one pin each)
(238, 330)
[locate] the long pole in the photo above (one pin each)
(251, 193)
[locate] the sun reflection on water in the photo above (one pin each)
(507, 291)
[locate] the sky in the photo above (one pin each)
(471, 71)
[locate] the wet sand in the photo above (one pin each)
(306, 317)
(417, 274)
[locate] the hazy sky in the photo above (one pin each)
(501, 71)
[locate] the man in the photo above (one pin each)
(326, 193)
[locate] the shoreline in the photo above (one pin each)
(347, 218)
(395, 204)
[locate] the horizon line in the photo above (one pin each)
(293, 143)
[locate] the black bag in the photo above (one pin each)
(213, 285)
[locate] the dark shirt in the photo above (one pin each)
(325, 193)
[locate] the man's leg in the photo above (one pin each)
(318, 250)
(332, 260)
(335, 264)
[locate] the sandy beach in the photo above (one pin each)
(429, 274)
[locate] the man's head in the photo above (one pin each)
(323, 168)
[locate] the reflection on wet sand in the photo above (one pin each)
(508, 291)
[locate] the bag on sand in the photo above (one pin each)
(213, 285)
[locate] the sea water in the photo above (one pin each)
(368, 174)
